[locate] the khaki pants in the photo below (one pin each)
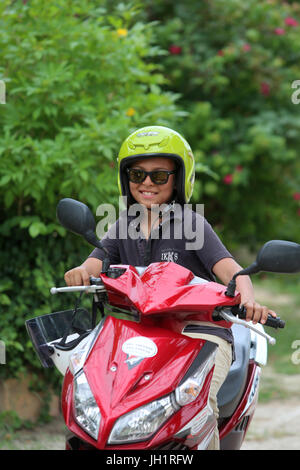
(222, 366)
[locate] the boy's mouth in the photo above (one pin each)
(148, 193)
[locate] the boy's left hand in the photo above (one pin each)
(257, 313)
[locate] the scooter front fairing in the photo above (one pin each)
(137, 375)
(168, 290)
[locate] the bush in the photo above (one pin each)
(78, 80)
(233, 63)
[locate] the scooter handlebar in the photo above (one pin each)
(273, 322)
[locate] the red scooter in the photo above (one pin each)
(134, 380)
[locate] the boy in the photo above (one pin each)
(157, 167)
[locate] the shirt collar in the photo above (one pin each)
(171, 209)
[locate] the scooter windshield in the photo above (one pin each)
(47, 328)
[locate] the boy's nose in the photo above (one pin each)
(148, 181)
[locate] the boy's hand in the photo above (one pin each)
(257, 313)
(77, 277)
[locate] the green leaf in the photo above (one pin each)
(37, 228)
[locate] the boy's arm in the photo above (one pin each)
(224, 270)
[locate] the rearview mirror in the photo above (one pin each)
(278, 256)
(77, 217)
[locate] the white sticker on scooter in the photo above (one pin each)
(137, 349)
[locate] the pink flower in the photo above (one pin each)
(296, 196)
(265, 88)
(175, 49)
(246, 47)
(220, 52)
(279, 31)
(291, 21)
(228, 179)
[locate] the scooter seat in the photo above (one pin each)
(232, 389)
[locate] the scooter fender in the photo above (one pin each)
(130, 366)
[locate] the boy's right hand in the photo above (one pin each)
(77, 277)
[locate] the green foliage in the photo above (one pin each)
(78, 80)
(79, 77)
(9, 423)
(233, 63)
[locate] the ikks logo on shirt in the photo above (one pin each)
(170, 256)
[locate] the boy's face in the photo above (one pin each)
(147, 192)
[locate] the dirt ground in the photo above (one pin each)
(275, 426)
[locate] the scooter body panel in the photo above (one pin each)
(137, 364)
(166, 289)
(130, 366)
(232, 432)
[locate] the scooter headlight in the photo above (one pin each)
(140, 424)
(86, 411)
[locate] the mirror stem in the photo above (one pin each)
(105, 263)
(230, 292)
(252, 269)
(91, 238)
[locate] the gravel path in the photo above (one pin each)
(275, 426)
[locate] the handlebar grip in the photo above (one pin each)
(273, 322)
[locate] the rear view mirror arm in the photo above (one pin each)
(252, 269)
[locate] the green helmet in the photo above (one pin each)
(154, 141)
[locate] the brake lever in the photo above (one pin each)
(226, 314)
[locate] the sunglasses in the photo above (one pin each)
(135, 175)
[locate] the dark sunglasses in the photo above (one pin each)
(135, 175)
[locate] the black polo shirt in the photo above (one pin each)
(172, 240)
(187, 239)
